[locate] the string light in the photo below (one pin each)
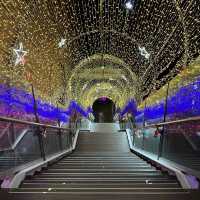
(102, 33)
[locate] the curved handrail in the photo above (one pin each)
(189, 119)
(173, 122)
(12, 120)
(7, 119)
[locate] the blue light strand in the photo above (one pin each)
(185, 102)
(75, 106)
(17, 103)
(129, 108)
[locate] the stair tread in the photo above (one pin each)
(92, 170)
(101, 185)
(139, 195)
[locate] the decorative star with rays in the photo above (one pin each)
(62, 43)
(144, 52)
(129, 4)
(20, 55)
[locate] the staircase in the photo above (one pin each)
(102, 167)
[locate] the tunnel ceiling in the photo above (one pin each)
(84, 49)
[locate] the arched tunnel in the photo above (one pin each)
(100, 99)
(115, 48)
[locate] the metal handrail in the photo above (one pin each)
(172, 122)
(37, 125)
(163, 124)
(7, 119)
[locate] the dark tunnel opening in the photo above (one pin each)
(103, 110)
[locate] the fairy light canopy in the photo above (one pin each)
(86, 49)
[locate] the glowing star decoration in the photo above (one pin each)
(20, 55)
(129, 5)
(124, 78)
(62, 43)
(85, 86)
(143, 52)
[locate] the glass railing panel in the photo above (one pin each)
(26, 150)
(51, 139)
(151, 141)
(9, 133)
(138, 139)
(66, 140)
(21, 142)
(124, 125)
(4, 136)
(85, 124)
(181, 144)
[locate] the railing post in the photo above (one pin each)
(130, 122)
(38, 131)
(162, 134)
(59, 131)
(60, 136)
(12, 130)
(70, 138)
(76, 124)
(60, 139)
(144, 122)
(80, 122)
